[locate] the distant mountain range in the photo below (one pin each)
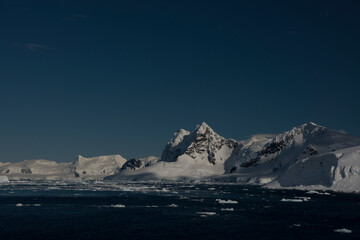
(308, 156)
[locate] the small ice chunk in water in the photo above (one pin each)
(211, 189)
(227, 209)
(305, 199)
(343, 230)
(19, 205)
(206, 213)
(291, 200)
(221, 201)
(118, 205)
(172, 205)
(316, 192)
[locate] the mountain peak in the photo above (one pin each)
(312, 124)
(203, 127)
(178, 137)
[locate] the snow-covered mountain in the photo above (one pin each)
(300, 142)
(97, 167)
(202, 144)
(88, 168)
(36, 169)
(264, 159)
(307, 156)
(338, 170)
(196, 154)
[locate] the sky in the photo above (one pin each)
(120, 77)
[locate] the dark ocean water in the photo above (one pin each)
(87, 210)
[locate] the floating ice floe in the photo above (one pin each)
(221, 201)
(152, 206)
(172, 205)
(343, 230)
(28, 205)
(291, 200)
(206, 213)
(197, 200)
(227, 209)
(316, 192)
(305, 199)
(118, 206)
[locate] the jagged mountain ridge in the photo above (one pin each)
(300, 142)
(203, 141)
(198, 154)
(203, 153)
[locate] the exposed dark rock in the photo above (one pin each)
(26, 171)
(132, 164)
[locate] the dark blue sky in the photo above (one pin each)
(106, 77)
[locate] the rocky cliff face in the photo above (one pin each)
(135, 164)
